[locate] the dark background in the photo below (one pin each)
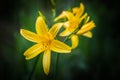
(95, 59)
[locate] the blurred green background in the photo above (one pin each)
(94, 59)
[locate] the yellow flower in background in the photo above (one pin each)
(74, 19)
(45, 42)
(72, 24)
(84, 31)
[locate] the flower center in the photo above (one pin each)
(47, 42)
(46, 45)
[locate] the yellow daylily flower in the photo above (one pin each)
(45, 42)
(72, 24)
(74, 19)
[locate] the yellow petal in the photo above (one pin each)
(88, 34)
(62, 15)
(75, 10)
(85, 28)
(83, 17)
(66, 32)
(69, 15)
(74, 39)
(65, 14)
(80, 11)
(33, 51)
(88, 25)
(29, 35)
(41, 26)
(60, 47)
(46, 61)
(66, 24)
(55, 28)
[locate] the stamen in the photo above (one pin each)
(46, 44)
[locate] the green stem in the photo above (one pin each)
(57, 58)
(33, 69)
